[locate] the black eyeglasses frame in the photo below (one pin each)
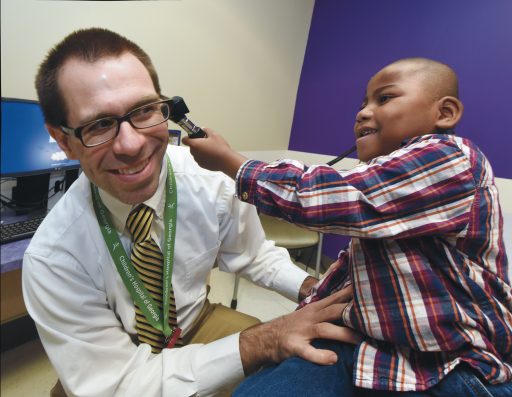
(77, 132)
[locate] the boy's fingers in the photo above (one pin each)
(344, 295)
(331, 313)
(327, 301)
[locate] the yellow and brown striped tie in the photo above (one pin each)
(147, 259)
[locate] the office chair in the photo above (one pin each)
(288, 236)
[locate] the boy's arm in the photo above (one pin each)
(214, 153)
(425, 187)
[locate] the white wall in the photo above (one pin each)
(237, 63)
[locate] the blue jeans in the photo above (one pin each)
(300, 378)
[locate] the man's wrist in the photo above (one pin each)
(257, 346)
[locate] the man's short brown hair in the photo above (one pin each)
(88, 45)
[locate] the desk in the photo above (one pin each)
(11, 258)
(17, 327)
(11, 299)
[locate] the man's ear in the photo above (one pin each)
(450, 112)
(62, 140)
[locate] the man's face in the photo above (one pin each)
(397, 106)
(127, 167)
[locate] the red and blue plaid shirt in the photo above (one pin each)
(427, 259)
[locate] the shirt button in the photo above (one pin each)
(245, 196)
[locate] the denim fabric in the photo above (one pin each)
(300, 378)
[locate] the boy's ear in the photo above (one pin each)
(450, 112)
(62, 140)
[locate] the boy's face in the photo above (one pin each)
(397, 106)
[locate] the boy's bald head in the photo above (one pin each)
(410, 97)
(439, 80)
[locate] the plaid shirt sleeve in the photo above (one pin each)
(423, 188)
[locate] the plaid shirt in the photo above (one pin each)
(427, 261)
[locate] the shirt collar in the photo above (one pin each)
(119, 211)
(417, 138)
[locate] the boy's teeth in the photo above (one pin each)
(367, 132)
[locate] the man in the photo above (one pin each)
(115, 287)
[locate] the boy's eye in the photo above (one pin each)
(384, 98)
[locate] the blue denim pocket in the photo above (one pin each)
(463, 382)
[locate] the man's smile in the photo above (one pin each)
(134, 169)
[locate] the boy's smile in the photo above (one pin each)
(398, 105)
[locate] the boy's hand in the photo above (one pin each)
(291, 335)
(214, 153)
(305, 289)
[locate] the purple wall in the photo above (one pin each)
(349, 41)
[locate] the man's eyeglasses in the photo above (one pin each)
(103, 130)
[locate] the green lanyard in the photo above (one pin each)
(138, 291)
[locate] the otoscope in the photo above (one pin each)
(178, 115)
(342, 155)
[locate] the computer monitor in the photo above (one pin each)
(30, 154)
(174, 137)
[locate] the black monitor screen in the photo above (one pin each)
(27, 148)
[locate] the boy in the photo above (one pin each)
(427, 261)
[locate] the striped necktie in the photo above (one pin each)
(147, 259)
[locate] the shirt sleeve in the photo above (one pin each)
(245, 251)
(425, 187)
(94, 356)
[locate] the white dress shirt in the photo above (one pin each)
(85, 315)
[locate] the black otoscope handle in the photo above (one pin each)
(342, 155)
(178, 115)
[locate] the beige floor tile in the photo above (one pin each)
(26, 372)
(252, 299)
